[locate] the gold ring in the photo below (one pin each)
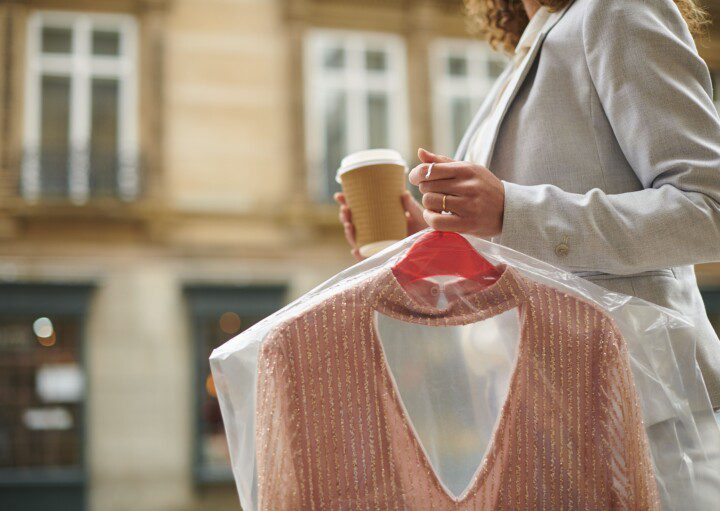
(443, 205)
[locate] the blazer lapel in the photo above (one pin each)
(481, 114)
(510, 91)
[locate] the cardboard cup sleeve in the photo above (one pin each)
(373, 193)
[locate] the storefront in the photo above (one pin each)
(43, 396)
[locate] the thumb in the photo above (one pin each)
(428, 157)
(410, 205)
(413, 213)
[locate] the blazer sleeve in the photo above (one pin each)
(277, 467)
(656, 93)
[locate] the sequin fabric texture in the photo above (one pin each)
(332, 432)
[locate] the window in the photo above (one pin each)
(711, 297)
(220, 313)
(462, 74)
(42, 395)
(81, 107)
(715, 78)
(355, 100)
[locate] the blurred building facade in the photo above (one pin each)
(166, 172)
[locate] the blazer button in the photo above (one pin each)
(562, 249)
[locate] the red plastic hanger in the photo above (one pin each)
(444, 253)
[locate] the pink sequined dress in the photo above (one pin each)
(332, 432)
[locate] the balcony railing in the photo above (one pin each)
(80, 175)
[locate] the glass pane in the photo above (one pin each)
(375, 60)
(335, 137)
(378, 120)
(213, 444)
(712, 302)
(334, 58)
(714, 75)
(495, 67)
(457, 66)
(104, 136)
(55, 121)
(56, 40)
(460, 113)
(41, 392)
(105, 42)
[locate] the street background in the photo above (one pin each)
(166, 174)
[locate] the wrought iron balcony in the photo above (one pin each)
(80, 175)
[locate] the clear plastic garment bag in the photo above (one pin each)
(505, 383)
(454, 427)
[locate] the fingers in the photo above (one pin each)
(410, 205)
(413, 213)
(344, 214)
(428, 157)
(448, 186)
(434, 202)
(441, 222)
(449, 170)
(349, 230)
(345, 217)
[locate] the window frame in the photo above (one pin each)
(354, 80)
(80, 66)
(475, 86)
(207, 301)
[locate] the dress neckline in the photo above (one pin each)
(466, 304)
(385, 294)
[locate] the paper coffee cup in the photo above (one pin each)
(373, 182)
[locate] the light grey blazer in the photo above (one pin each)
(609, 150)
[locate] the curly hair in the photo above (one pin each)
(502, 22)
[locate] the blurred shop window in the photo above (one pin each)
(715, 78)
(42, 395)
(711, 297)
(80, 129)
(219, 313)
(355, 100)
(462, 72)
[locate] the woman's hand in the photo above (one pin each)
(474, 195)
(413, 214)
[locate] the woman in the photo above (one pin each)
(598, 151)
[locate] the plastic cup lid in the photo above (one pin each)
(370, 157)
